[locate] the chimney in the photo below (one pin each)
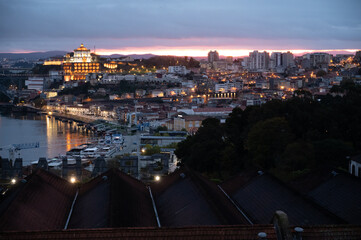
(43, 164)
(78, 167)
(298, 233)
(18, 168)
(281, 224)
(262, 236)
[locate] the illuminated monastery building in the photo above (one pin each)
(79, 63)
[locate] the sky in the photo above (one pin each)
(182, 27)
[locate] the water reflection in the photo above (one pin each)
(55, 137)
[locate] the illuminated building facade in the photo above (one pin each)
(79, 63)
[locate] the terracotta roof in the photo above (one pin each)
(239, 232)
(212, 110)
(199, 233)
(42, 204)
(193, 118)
(331, 232)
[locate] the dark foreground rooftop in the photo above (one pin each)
(240, 232)
(261, 195)
(185, 198)
(42, 202)
(116, 206)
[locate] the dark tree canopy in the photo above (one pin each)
(289, 136)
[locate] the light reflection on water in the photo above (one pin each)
(55, 137)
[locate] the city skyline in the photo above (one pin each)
(234, 28)
(201, 53)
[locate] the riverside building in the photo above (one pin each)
(79, 63)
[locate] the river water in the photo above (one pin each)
(54, 136)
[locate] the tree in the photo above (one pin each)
(4, 98)
(332, 152)
(39, 102)
(150, 150)
(203, 151)
(161, 128)
(267, 140)
(298, 155)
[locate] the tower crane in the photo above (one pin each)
(15, 148)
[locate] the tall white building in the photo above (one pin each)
(276, 60)
(258, 61)
(318, 59)
(281, 60)
(213, 56)
(287, 59)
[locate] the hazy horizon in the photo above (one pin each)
(109, 52)
(187, 28)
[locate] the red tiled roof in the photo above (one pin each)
(193, 118)
(239, 232)
(212, 109)
(331, 232)
(198, 233)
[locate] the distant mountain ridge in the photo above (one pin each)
(33, 55)
(49, 54)
(135, 56)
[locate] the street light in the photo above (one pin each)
(13, 181)
(72, 179)
(157, 178)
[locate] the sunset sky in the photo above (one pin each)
(188, 27)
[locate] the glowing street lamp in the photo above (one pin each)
(157, 178)
(13, 181)
(72, 179)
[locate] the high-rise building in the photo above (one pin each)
(288, 59)
(258, 61)
(281, 60)
(213, 56)
(358, 56)
(319, 59)
(276, 60)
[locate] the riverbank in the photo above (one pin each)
(54, 136)
(7, 108)
(73, 117)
